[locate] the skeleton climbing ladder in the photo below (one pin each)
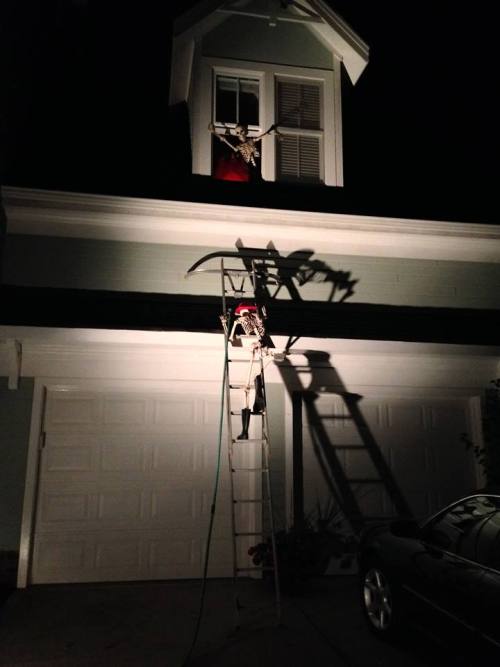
(251, 364)
(254, 359)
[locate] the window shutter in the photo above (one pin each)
(298, 158)
(298, 106)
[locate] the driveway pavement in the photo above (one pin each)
(152, 624)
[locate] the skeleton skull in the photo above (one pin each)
(241, 132)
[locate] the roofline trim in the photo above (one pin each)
(128, 219)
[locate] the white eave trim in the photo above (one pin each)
(63, 214)
(349, 46)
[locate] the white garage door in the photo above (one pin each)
(125, 486)
(385, 454)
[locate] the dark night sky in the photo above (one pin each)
(85, 108)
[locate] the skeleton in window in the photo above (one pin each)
(246, 146)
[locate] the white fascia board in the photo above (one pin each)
(341, 38)
(63, 214)
(127, 357)
(181, 70)
(188, 29)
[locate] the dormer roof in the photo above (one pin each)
(316, 15)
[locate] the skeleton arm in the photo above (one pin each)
(221, 137)
(271, 129)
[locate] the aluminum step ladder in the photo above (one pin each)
(247, 358)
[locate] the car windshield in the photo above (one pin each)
(470, 528)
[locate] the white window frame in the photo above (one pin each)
(217, 71)
(303, 131)
(201, 111)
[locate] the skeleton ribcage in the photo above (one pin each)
(252, 324)
(248, 152)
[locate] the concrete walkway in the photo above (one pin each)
(152, 624)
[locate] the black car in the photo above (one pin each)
(443, 573)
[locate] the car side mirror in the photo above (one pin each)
(405, 528)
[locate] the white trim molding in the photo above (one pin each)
(66, 214)
(121, 355)
(11, 360)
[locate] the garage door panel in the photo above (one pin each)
(69, 459)
(178, 411)
(175, 506)
(67, 507)
(373, 500)
(125, 488)
(411, 445)
(116, 506)
(358, 463)
(119, 458)
(123, 553)
(50, 555)
(411, 466)
(174, 455)
(123, 413)
(445, 416)
(406, 416)
(80, 410)
(210, 412)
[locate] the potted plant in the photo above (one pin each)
(488, 456)
(305, 550)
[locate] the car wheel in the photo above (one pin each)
(377, 595)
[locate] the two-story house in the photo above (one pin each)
(111, 358)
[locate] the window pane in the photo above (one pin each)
(226, 96)
(249, 102)
(236, 100)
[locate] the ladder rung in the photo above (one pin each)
(247, 534)
(349, 447)
(249, 469)
(242, 385)
(254, 569)
(248, 500)
(233, 272)
(240, 361)
(333, 417)
(251, 441)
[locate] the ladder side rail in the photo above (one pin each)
(266, 445)
(226, 319)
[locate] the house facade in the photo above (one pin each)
(111, 359)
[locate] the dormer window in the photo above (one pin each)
(260, 65)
